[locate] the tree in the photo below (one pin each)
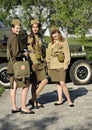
(30, 9)
(74, 15)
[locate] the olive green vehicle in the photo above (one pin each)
(79, 71)
(4, 33)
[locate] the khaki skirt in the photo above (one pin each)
(20, 83)
(57, 74)
(39, 73)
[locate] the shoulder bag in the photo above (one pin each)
(21, 69)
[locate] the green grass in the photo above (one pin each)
(2, 89)
(87, 44)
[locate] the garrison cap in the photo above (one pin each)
(16, 22)
(35, 21)
(54, 28)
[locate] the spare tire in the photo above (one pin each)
(81, 72)
(4, 78)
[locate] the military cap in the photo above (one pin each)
(54, 28)
(16, 22)
(35, 21)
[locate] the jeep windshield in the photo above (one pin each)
(2, 24)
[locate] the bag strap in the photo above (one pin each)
(8, 55)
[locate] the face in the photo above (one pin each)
(55, 35)
(16, 29)
(35, 28)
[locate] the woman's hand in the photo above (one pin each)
(25, 53)
(65, 68)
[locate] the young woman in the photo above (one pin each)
(57, 65)
(38, 77)
(14, 54)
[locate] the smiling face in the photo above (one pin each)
(35, 28)
(55, 35)
(16, 29)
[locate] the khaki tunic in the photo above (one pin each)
(15, 53)
(37, 59)
(56, 68)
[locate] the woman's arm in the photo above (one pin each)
(67, 55)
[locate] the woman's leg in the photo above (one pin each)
(24, 98)
(33, 92)
(24, 109)
(34, 83)
(59, 92)
(66, 92)
(13, 96)
(39, 89)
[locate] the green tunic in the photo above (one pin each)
(56, 69)
(37, 59)
(14, 49)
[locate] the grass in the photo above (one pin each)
(87, 44)
(2, 89)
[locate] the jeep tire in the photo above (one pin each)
(4, 79)
(81, 72)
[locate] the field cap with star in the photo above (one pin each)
(16, 22)
(54, 28)
(35, 21)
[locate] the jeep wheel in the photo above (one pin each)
(4, 79)
(81, 72)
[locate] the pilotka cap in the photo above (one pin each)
(54, 28)
(16, 22)
(36, 21)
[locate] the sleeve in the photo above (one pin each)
(14, 48)
(48, 54)
(30, 44)
(67, 54)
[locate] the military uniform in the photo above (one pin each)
(56, 68)
(15, 55)
(37, 59)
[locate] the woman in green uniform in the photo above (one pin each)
(14, 54)
(38, 77)
(58, 59)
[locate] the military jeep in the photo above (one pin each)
(79, 70)
(4, 33)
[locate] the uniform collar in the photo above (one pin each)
(56, 41)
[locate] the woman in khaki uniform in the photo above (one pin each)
(38, 77)
(14, 54)
(57, 65)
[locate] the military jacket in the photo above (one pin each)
(52, 55)
(35, 51)
(12, 51)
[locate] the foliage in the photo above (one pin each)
(87, 44)
(2, 89)
(30, 9)
(73, 15)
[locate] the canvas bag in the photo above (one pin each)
(21, 69)
(61, 56)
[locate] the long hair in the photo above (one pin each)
(60, 38)
(33, 36)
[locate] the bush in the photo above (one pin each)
(2, 89)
